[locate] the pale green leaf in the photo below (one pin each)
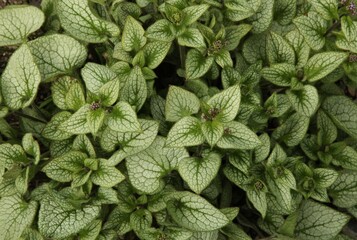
(300, 46)
(258, 198)
(305, 100)
(197, 64)
(326, 8)
(109, 93)
(212, 131)
(180, 103)
(20, 79)
(53, 131)
(238, 136)
(347, 158)
(74, 98)
(343, 113)
(321, 64)
(223, 59)
(344, 190)
(234, 232)
(133, 35)
(263, 17)
(77, 123)
(234, 34)
(284, 11)
(195, 213)
(161, 30)
(186, 132)
(57, 54)
(123, 118)
(155, 52)
(262, 152)
(18, 22)
(141, 219)
(31, 147)
(193, 13)
(15, 216)
(146, 168)
(279, 50)
(95, 120)
(60, 89)
(280, 74)
(327, 131)
(238, 10)
(324, 177)
(192, 37)
(106, 176)
(199, 172)
(316, 221)
(77, 18)
(91, 231)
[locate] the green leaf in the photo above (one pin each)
(106, 176)
(15, 216)
(60, 219)
(199, 172)
(192, 37)
(161, 30)
(321, 64)
(57, 54)
(235, 232)
(349, 40)
(239, 10)
(212, 131)
(258, 198)
(140, 219)
(95, 120)
(60, 89)
(10, 154)
(197, 64)
(53, 131)
(180, 103)
(300, 46)
(284, 11)
(193, 13)
(146, 168)
(238, 136)
(279, 50)
(227, 102)
(223, 59)
(313, 29)
(155, 53)
(293, 130)
(80, 178)
(344, 190)
(123, 118)
(31, 147)
(346, 158)
(324, 177)
(135, 91)
(326, 8)
(262, 19)
(280, 74)
(109, 93)
(96, 75)
(74, 98)
(77, 123)
(91, 231)
(195, 213)
(234, 34)
(305, 101)
(77, 18)
(329, 224)
(343, 113)
(133, 35)
(186, 132)
(20, 80)
(327, 131)
(19, 22)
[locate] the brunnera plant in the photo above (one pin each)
(178, 119)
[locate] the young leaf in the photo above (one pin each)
(193, 13)
(322, 64)
(238, 136)
(180, 103)
(78, 122)
(123, 118)
(146, 168)
(197, 64)
(195, 213)
(329, 224)
(326, 8)
(186, 132)
(192, 37)
(95, 120)
(60, 219)
(133, 35)
(343, 113)
(234, 34)
(106, 176)
(300, 46)
(53, 131)
(74, 98)
(20, 80)
(155, 52)
(77, 18)
(17, 23)
(327, 131)
(227, 102)
(279, 50)
(57, 54)
(15, 216)
(31, 147)
(161, 30)
(212, 131)
(305, 101)
(199, 172)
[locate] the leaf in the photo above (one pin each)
(10, 154)
(280, 74)
(262, 19)
(123, 118)
(293, 130)
(329, 224)
(193, 13)
(77, 19)
(346, 158)
(279, 50)
(59, 219)
(227, 102)
(235, 232)
(258, 198)
(212, 131)
(321, 64)
(95, 120)
(199, 172)
(57, 54)
(17, 23)
(344, 190)
(31, 147)
(191, 37)
(161, 30)
(343, 112)
(74, 98)
(133, 35)
(180, 103)
(223, 59)
(234, 34)
(313, 29)
(91, 231)
(147, 168)
(195, 213)
(155, 52)
(141, 219)
(106, 176)
(197, 64)
(305, 101)
(238, 136)
(20, 80)
(284, 11)
(135, 91)
(326, 8)
(324, 177)
(300, 46)
(263, 151)
(186, 132)
(327, 131)
(15, 216)
(239, 10)
(96, 75)
(77, 123)
(53, 131)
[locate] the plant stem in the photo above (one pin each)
(182, 56)
(333, 27)
(19, 114)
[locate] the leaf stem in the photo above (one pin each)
(182, 56)
(19, 114)
(333, 27)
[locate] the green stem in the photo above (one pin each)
(182, 56)
(19, 114)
